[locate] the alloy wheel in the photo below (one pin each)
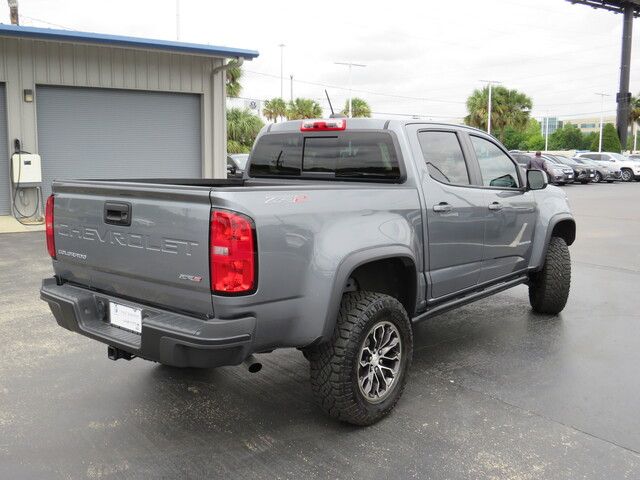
(379, 362)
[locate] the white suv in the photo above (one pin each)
(629, 169)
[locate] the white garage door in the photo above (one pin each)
(5, 191)
(86, 133)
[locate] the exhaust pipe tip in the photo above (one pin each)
(252, 364)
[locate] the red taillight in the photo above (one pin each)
(48, 222)
(330, 125)
(231, 253)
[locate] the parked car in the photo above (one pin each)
(236, 163)
(569, 176)
(339, 254)
(581, 173)
(629, 170)
(635, 157)
(604, 171)
(556, 174)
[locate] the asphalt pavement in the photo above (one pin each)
(494, 392)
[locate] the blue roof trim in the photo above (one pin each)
(117, 40)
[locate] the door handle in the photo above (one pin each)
(442, 207)
(495, 206)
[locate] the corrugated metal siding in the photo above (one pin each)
(100, 133)
(26, 63)
(92, 66)
(5, 191)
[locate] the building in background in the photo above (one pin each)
(104, 106)
(553, 125)
(590, 124)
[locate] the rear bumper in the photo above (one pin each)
(167, 337)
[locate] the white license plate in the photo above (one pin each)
(125, 317)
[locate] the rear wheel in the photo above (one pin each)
(627, 175)
(359, 375)
(549, 287)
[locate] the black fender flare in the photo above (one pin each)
(555, 220)
(348, 265)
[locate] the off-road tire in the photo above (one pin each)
(549, 287)
(334, 364)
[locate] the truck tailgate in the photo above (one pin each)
(146, 242)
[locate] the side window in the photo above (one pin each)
(444, 158)
(496, 167)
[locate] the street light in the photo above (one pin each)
(602, 95)
(350, 64)
(490, 83)
(282, 45)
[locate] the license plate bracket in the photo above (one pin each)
(124, 317)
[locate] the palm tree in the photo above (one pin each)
(359, 108)
(274, 109)
(509, 108)
(303, 108)
(234, 74)
(242, 129)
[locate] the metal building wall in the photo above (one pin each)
(25, 63)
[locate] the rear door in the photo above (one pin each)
(455, 211)
(146, 242)
(509, 210)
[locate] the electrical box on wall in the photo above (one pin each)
(26, 168)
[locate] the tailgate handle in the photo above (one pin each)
(117, 213)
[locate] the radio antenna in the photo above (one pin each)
(329, 100)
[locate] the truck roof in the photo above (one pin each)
(367, 123)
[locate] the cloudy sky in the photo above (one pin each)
(422, 58)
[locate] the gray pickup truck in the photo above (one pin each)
(342, 235)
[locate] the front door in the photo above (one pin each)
(510, 212)
(455, 214)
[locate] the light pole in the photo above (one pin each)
(490, 84)
(177, 19)
(602, 95)
(282, 45)
(546, 132)
(291, 88)
(350, 64)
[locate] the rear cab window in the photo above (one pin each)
(358, 155)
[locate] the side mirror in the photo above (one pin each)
(231, 170)
(536, 180)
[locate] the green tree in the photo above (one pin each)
(610, 140)
(588, 140)
(274, 109)
(359, 108)
(512, 138)
(566, 138)
(533, 136)
(509, 108)
(303, 108)
(233, 76)
(242, 129)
